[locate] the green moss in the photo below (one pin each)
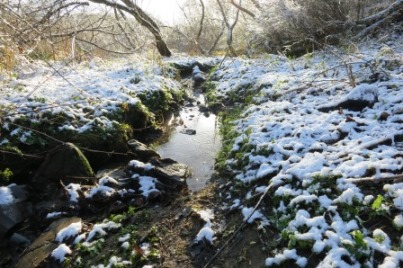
(5, 176)
(163, 100)
(228, 134)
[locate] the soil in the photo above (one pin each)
(178, 224)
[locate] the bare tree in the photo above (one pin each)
(200, 30)
(241, 8)
(230, 26)
(144, 19)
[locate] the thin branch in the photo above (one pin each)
(241, 8)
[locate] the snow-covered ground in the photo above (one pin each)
(84, 95)
(314, 165)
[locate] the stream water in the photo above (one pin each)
(198, 151)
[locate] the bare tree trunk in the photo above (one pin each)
(212, 48)
(230, 27)
(143, 19)
(200, 29)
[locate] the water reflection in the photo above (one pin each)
(197, 151)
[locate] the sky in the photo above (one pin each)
(166, 10)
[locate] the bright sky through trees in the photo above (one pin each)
(167, 11)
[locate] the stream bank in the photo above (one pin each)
(68, 192)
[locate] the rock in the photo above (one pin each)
(64, 162)
(15, 212)
(170, 173)
(197, 75)
(43, 246)
(141, 150)
(383, 116)
(185, 67)
(18, 239)
(188, 131)
(362, 96)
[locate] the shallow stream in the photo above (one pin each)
(198, 151)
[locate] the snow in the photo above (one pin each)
(100, 229)
(125, 245)
(72, 190)
(398, 220)
(310, 162)
(101, 190)
(147, 185)
(107, 180)
(6, 195)
(84, 93)
(206, 232)
(60, 252)
(70, 231)
(250, 215)
(141, 165)
(55, 214)
(124, 238)
(309, 159)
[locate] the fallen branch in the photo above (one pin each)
(244, 222)
(393, 179)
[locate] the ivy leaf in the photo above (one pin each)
(376, 205)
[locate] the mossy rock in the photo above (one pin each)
(64, 162)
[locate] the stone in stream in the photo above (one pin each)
(64, 162)
(185, 67)
(42, 247)
(141, 150)
(170, 173)
(188, 131)
(197, 75)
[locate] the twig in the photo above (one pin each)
(393, 179)
(239, 228)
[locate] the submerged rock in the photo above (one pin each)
(188, 131)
